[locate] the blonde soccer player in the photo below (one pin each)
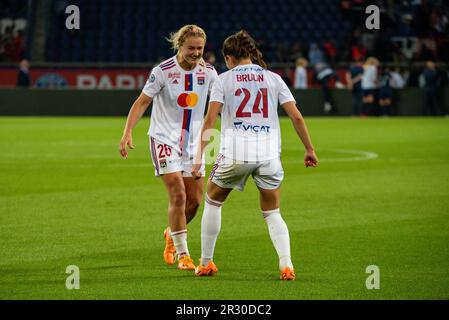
(178, 88)
(248, 96)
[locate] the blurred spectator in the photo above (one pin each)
(210, 58)
(23, 76)
(19, 46)
(281, 52)
(429, 84)
(331, 51)
(358, 52)
(315, 54)
(398, 81)
(12, 46)
(405, 28)
(420, 21)
(301, 74)
(385, 92)
(397, 55)
(369, 86)
(439, 21)
(325, 75)
(286, 76)
(354, 81)
(424, 53)
(295, 52)
(8, 44)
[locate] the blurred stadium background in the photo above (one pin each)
(120, 41)
(379, 196)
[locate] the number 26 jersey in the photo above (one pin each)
(179, 101)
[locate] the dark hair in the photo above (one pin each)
(242, 45)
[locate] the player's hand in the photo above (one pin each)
(310, 159)
(127, 140)
(196, 171)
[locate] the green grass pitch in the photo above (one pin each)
(380, 197)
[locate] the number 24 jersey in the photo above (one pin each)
(250, 124)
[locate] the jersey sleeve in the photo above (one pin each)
(217, 92)
(214, 77)
(155, 83)
(285, 94)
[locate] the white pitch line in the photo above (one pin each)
(362, 155)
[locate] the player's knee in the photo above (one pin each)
(178, 198)
(193, 204)
(273, 213)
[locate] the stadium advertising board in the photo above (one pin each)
(126, 79)
(105, 78)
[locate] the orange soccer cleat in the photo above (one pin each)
(208, 270)
(186, 263)
(288, 274)
(170, 250)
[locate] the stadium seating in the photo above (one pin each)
(134, 30)
(13, 13)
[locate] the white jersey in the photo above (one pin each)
(369, 78)
(300, 78)
(250, 123)
(179, 100)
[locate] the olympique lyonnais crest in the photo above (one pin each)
(201, 80)
(163, 163)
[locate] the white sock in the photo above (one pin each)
(180, 242)
(210, 228)
(279, 236)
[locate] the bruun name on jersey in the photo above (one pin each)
(247, 127)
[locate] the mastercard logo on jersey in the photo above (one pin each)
(186, 100)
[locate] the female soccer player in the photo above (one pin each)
(301, 74)
(178, 88)
(247, 96)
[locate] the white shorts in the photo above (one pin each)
(167, 160)
(229, 174)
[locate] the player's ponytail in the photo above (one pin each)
(258, 58)
(241, 45)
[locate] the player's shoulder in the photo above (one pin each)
(210, 67)
(167, 64)
(210, 70)
(274, 76)
(225, 75)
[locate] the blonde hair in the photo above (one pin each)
(178, 38)
(371, 61)
(301, 62)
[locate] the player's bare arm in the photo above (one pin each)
(349, 80)
(209, 123)
(137, 110)
(310, 158)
